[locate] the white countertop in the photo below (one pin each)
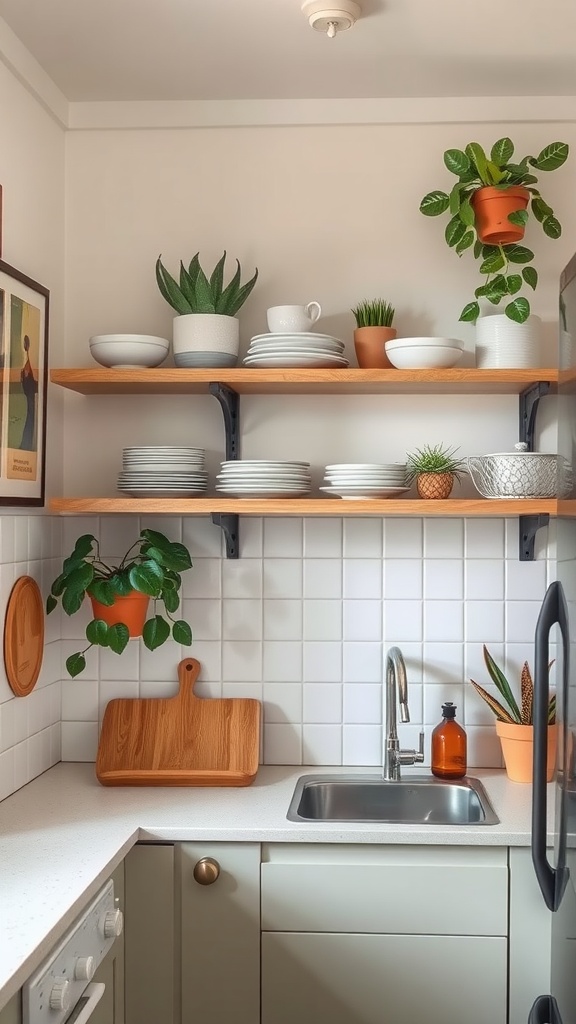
(62, 835)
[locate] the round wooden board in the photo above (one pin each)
(24, 636)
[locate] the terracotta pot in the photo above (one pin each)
(434, 485)
(131, 610)
(369, 345)
(517, 749)
(491, 208)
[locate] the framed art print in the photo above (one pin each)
(24, 362)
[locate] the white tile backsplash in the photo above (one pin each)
(301, 621)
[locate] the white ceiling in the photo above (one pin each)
(264, 49)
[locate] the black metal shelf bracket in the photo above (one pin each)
(230, 405)
(228, 523)
(528, 409)
(528, 527)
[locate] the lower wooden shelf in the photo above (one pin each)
(313, 507)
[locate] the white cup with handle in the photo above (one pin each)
(293, 319)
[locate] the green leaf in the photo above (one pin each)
(103, 591)
(204, 302)
(72, 601)
(59, 585)
(496, 289)
(97, 632)
(51, 604)
(530, 275)
(217, 279)
(75, 664)
(477, 249)
(552, 156)
(518, 310)
(493, 172)
(434, 204)
(465, 242)
(238, 298)
(514, 282)
(492, 264)
(182, 633)
(118, 637)
(500, 681)
(84, 544)
(156, 631)
(502, 151)
(540, 209)
(477, 156)
(454, 231)
(552, 227)
(147, 578)
(81, 577)
(481, 290)
(120, 585)
(454, 204)
(456, 161)
(519, 217)
(179, 553)
(518, 254)
(467, 213)
(72, 562)
(470, 313)
(170, 598)
(170, 290)
(157, 539)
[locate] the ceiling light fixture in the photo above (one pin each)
(331, 20)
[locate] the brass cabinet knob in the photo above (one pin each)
(206, 871)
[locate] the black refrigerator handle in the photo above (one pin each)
(552, 612)
(545, 1011)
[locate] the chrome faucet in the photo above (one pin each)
(397, 688)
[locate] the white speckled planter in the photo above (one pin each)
(205, 339)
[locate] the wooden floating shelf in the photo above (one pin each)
(311, 506)
(301, 382)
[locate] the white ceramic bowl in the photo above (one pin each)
(428, 342)
(128, 351)
(423, 357)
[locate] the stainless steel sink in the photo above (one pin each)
(416, 800)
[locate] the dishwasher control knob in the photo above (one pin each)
(84, 968)
(60, 995)
(113, 924)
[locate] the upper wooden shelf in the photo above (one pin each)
(314, 382)
(312, 506)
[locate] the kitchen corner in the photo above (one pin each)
(63, 834)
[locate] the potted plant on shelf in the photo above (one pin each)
(120, 593)
(514, 723)
(373, 329)
(435, 469)
(488, 209)
(206, 331)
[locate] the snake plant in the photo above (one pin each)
(513, 714)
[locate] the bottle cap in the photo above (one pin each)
(449, 710)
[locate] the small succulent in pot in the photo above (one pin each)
(195, 292)
(512, 713)
(435, 468)
(373, 313)
(489, 208)
(120, 593)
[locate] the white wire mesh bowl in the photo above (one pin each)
(520, 474)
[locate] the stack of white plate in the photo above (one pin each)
(258, 478)
(292, 349)
(365, 479)
(163, 472)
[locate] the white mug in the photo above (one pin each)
(293, 319)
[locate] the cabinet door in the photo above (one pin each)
(382, 979)
(150, 935)
(220, 929)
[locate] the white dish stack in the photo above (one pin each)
(365, 480)
(161, 471)
(259, 478)
(303, 349)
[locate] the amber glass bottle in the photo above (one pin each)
(449, 746)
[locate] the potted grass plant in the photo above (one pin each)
(514, 724)
(435, 468)
(373, 329)
(121, 592)
(488, 209)
(206, 330)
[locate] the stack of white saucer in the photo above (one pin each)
(302, 348)
(161, 471)
(365, 479)
(259, 478)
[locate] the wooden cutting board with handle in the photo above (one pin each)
(180, 741)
